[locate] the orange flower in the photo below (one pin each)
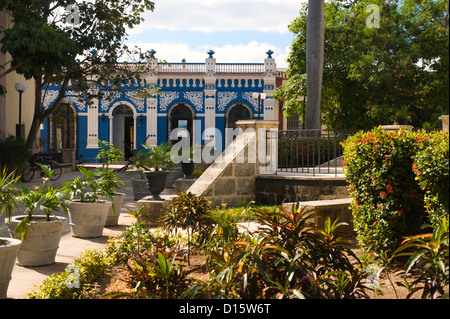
(389, 188)
(383, 194)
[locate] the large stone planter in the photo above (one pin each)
(113, 219)
(172, 176)
(140, 189)
(41, 241)
(87, 220)
(8, 255)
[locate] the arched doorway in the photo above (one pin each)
(62, 131)
(123, 129)
(237, 112)
(181, 116)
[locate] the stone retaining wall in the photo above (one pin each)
(229, 179)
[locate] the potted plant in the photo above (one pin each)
(8, 246)
(87, 210)
(403, 115)
(40, 233)
(110, 180)
(155, 163)
(188, 165)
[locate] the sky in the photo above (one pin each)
(238, 31)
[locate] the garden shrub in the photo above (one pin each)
(381, 168)
(431, 166)
(77, 281)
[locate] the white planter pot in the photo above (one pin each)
(113, 219)
(41, 242)
(8, 255)
(87, 220)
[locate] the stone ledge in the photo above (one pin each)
(334, 208)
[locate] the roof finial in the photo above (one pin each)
(211, 53)
(269, 54)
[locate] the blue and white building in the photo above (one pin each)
(200, 97)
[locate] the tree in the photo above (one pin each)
(76, 44)
(314, 61)
(380, 57)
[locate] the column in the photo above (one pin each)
(152, 102)
(210, 97)
(92, 125)
(269, 86)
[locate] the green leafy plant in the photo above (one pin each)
(154, 158)
(14, 153)
(431, 169)
(287, 257)
(44, 197)
(77, 281)
(156, 275)
(190, 212)
(428, 262)
(388, 203)
(8, 194)
(110, 180)
(87, 190)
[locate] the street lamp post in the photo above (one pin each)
(20, 87)
(259, 97)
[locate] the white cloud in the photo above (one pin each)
(223, 15)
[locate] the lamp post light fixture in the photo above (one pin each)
(259, 97)
(20, 87)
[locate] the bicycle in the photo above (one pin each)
(29, 171)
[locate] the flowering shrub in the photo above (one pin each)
(388, 202)
(431, 166)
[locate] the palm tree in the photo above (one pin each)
(315, 36)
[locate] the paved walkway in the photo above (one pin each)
(25, 279)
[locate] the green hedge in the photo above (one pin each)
(395, 177)
(431, 166)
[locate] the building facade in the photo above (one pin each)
(201, 98)
(14, 106)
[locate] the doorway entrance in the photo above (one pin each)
(123, 130)
(181, 117)
(62, 132)
(237, 112)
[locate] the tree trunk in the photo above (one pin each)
(39, 113)
(315, 36)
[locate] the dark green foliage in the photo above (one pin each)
(14, 153)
